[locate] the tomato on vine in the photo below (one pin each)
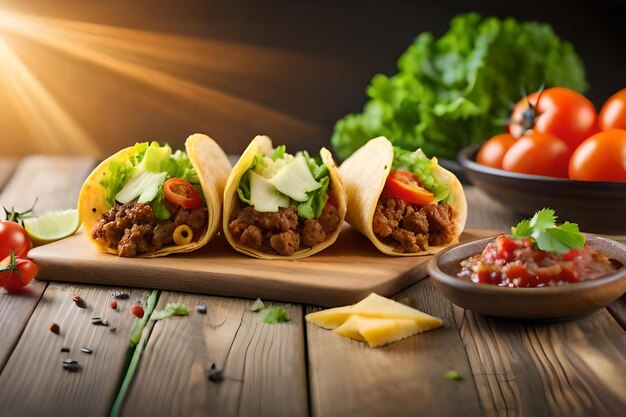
(13, 237)
(16, 272)
(558, 111)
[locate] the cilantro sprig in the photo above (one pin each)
(547, 235)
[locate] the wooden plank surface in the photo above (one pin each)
(618, 311)
(344, 273)
(405, 378)
(485, 213)
(54, 180)
(263, 364)
(57, 182)
(33, 381)
(7, 165)
(573, 368)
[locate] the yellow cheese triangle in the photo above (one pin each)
(373, 306)
(379, 332)
(350, 329)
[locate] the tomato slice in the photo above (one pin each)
(178, 191)
(403, 185)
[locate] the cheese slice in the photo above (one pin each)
(379, 332)
(374, 306)
(375, 320)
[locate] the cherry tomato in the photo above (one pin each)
(16, 273)
(178, 191)
(538, 154)
(602, 157)
(613, 112)
(13, 237)
(403, 185)
(559, 111)
(493, 150)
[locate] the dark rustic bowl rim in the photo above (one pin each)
(436, 273)
(467, 159)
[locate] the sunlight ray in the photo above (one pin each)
(207, 54)
(53, 130)
(220, 104)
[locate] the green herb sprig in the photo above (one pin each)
(547, 235)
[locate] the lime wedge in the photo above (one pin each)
(52, 226)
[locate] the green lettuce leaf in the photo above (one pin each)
(313, 206)
(119, 173)
(243, 191)
(152, 159)
(457, 90)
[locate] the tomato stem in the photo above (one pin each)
(13, 268)
(17, 216)
(530, 115)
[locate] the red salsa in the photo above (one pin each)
(508, 262)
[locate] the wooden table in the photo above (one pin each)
(568, 368)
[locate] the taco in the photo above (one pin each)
(404, 202)
(278, 205)
(147, 201)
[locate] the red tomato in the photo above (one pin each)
(493, 150)
(403, 185)
(559, 111)
(17, 274)
(137, 311)
(613, 112)
(538, 154)
(178, 191)
(14, 237)
(602, 157)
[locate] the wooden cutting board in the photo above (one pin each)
(342, 274)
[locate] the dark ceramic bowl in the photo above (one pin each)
(597, 207)
(564, 301)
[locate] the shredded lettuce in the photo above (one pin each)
(316, 200)
(457, 90)
(274, 315)
(119, 173)
(140, 173)
(419, 164)
(279, 152)
(158, 208)
(244, 183)
(270, 314)
(257, 306)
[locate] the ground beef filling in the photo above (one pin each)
(282, 232)
(411, 228)
(132, 229)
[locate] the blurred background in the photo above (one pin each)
(91, 77)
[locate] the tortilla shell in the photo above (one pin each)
(364, 174)
(213, 168)
(263, 144)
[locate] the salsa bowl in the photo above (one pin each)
(563, 301)
(597, 206)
